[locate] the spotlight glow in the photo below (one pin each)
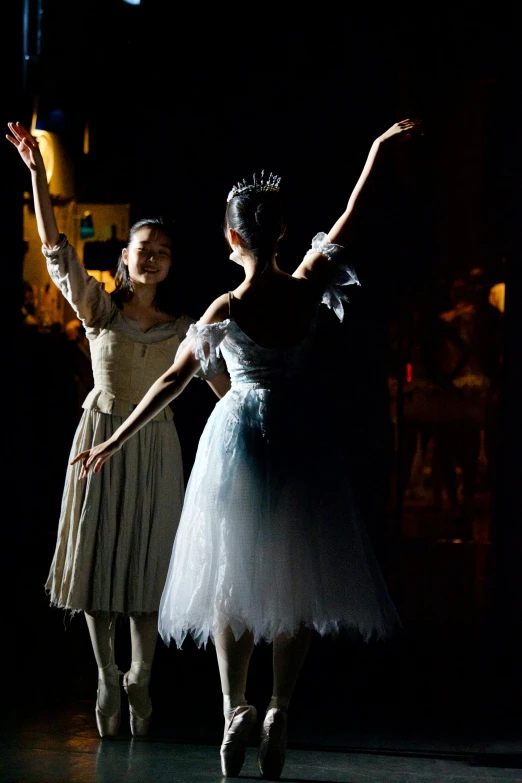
(132, 2)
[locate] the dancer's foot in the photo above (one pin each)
(238, 726)
(136, 684)
(108, 701)
(272, 749)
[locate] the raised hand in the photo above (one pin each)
(404, 127)
(26, 145)
(95, 457)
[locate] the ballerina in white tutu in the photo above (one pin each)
(269, 545)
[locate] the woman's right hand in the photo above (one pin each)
(404, 128)
(26, 145)
(95, 457)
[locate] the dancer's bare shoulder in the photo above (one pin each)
(314, 268)
(218, 311)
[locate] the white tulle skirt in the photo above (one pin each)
(269, 537)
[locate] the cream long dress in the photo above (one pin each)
(117, 527)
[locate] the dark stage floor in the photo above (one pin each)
(439, 702)
(60, 745)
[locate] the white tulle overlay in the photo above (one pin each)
(334, 294)
(269, 537)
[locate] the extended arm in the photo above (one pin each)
(338, 231)
(162, 391)
(27, 146)
(85, 294)
(316, 266)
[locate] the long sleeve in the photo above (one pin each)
(91, 302)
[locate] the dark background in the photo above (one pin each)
(183, 100)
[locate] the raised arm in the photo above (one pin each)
(85, 294)
(30, 153)
(315, 266)
(339, 230)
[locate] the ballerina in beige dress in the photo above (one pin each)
(116, 530)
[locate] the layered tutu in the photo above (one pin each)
(269, 537)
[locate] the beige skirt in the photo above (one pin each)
(117, 527)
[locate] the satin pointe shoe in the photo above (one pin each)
(237, 731)
(108, 693)
(136, 684)
(272, 748)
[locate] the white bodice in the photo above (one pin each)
(250, 365)
(253, 366)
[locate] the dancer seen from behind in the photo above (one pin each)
(269, 545)
(116, 530)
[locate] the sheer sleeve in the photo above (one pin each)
(342, 274)
(89, 299)
(206, 340)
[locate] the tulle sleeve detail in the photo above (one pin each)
(342, 274)
(207, 339)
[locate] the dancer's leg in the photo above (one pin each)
(102, 633)
(144, 635)
(288, 657)
(233, 658)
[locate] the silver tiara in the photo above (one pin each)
(271, 183)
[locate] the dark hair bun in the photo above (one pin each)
(265, 213)
(258, 219)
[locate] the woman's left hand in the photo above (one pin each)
(95, 457)
(406, 127)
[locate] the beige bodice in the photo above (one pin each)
(124, 370)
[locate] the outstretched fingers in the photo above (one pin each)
(21, 134)
(409, 127)
(97, 465)
(86, 458)
(83, 455)
(14, 130)
(92, 459)
(409, 124)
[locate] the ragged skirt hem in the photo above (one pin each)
(71, 611)
(265, 632)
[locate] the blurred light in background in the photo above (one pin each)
(86, 225)
(132, 2)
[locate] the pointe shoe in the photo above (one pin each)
(136, 684)
(272, 748)
(108, 678)
(237, 731)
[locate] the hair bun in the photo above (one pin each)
(260, 214)
(267, 212)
